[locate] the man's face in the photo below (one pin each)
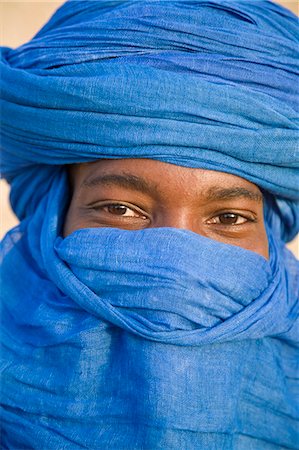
(134, 194)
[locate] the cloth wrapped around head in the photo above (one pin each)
(150, 339)
(208, 84)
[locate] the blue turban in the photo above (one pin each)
(149, 339)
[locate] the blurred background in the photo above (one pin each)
(20, 21)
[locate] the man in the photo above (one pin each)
(148, 299)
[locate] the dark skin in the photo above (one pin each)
(134, 194)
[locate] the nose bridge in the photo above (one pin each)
(177, 218)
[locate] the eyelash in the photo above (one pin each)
(138, 212)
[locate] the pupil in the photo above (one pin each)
(117, 209)
(228, 218)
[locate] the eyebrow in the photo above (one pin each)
(216, 193)
(132, 182)
(126, 181)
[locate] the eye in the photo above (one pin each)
(229, 219)
(121, 210)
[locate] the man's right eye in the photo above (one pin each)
(121, 210)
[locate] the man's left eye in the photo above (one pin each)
(228, 219)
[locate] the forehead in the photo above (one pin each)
(157, 177)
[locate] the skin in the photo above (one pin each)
(134, 194)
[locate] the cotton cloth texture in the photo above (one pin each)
(158, 338)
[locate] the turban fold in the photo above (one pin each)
(211, 84)
(157, 338)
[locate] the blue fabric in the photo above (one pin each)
(128, 60)
(160, 338)
(152, 339)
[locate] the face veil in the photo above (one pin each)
(155, 338)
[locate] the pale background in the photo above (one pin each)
(20, 21)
